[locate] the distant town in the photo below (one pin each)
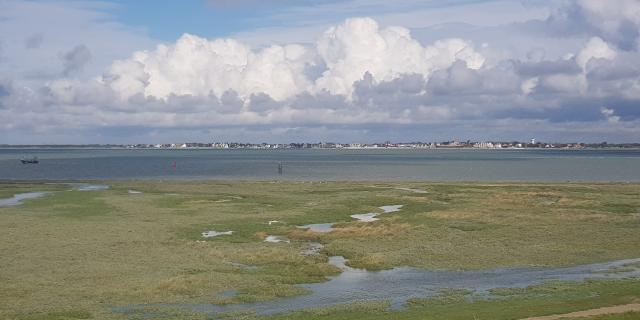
(453, 144)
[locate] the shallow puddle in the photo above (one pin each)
(392, 208)
(401, 284)
(134, 192)
(318, 227)
(366, 217)
(211, 233)
(372, 216)
(276, 239)
(19, 198)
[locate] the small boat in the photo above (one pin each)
(33, 160)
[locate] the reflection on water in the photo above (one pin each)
(401, 284)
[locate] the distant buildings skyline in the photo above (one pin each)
(452, 144)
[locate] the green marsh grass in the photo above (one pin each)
(79, 253)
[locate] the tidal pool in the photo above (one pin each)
(398, 285)
(18, 198)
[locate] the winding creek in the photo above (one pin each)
(398, 285)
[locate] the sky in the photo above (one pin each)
(116, 71)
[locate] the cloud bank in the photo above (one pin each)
(357, 81)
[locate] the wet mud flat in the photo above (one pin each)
(398, 285)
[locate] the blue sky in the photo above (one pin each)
(116, 71)
(167, 20)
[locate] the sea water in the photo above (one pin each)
(322, 164)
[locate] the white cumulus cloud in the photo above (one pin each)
(197, 66)
(344, 53)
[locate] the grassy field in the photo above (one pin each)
(77, 254)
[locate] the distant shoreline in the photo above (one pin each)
(349, 148)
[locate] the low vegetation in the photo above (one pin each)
(80, 254)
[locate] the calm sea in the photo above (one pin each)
(389, 164)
